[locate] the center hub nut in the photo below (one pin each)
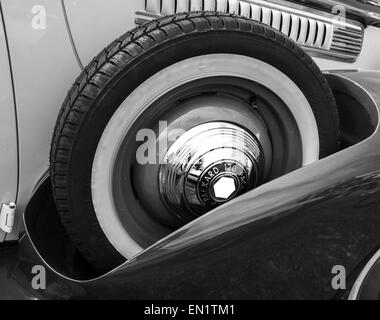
(207, 166)
(221, 182)
(224, 188)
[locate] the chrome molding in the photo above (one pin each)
(356, 288)
(320, 34)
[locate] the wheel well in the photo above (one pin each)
(49, 238)
(357, 111)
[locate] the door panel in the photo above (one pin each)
(44, 68)
(8, 138)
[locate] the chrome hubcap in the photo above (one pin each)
(207, 166)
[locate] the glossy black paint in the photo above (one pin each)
(279, 241)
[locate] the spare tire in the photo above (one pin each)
(214, 76)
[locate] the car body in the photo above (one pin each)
(312, 204)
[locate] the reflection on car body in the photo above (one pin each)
(270, 180)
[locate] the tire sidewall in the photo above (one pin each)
(148, 63)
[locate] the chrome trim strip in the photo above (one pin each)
(320, 34)
(356, 288)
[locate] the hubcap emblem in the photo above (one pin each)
(207, 166)
(221, 182)
(224, 188)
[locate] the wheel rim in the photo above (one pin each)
(166, 207)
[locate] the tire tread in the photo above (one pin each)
(111, 61)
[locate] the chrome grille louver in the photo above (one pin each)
(320, 34)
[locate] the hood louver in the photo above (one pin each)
(320, 34)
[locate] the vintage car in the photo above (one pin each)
(205, 149)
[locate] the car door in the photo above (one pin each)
(8, 132)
